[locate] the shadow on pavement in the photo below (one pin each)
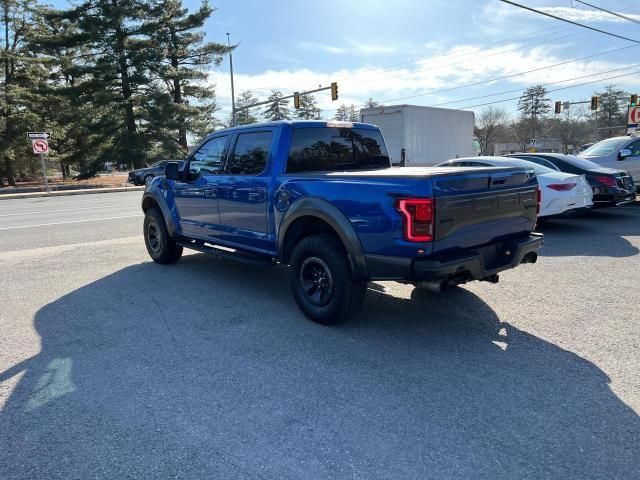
(600, 233)
(206, 369)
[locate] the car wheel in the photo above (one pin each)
(147, 179)
(321, 283)
(161, 246)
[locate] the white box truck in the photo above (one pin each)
(418, 135)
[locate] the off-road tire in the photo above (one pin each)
(161, 246)
(343, 299)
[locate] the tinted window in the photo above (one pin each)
(250, 153)
(539, 161)
(208, 158)
(336, 149)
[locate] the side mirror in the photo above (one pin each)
(171, 171)
(624, 153)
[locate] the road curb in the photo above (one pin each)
(62, 193)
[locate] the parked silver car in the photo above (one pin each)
(621, 153)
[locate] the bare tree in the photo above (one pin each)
(491, 122)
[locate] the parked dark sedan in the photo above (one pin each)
(143, 175)
(610, 187)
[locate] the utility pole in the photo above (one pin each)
(233, 96)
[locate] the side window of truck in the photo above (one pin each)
(208, 159)
(635, 148)
(250, 154)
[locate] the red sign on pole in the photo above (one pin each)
(40, 146)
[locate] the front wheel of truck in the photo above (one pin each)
(161, 246)
(321, 282)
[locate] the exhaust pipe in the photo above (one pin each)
(531, 257)
(434, 286)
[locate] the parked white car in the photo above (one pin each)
(561, 193)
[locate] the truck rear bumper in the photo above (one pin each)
(476, 264)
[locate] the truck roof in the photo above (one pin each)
(300, 124)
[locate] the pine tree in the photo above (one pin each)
(116, 76)
(612, 111)
(533, 105)
(308, 107)
(245, 116)
(278, 109)
(342, 113)
(20, 80)
(371, 103)
(184, 58)
(354, 114)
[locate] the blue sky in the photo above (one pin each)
(390, 50)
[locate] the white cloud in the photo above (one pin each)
(313, 46)
(458, 66)
(584, 15)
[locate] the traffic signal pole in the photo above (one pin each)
(333, 87)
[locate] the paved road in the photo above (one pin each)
(114, 367)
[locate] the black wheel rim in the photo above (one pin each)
(316, 280)
(154, 237)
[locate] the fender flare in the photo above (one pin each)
(152, 195)
(322, 209)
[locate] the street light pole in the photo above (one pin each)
(233, 97)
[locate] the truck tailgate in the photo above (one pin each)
(477, 206)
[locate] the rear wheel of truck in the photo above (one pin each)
(321, 282)
(161, 246)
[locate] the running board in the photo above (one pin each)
(224, 252)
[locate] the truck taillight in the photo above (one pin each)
(417, 218)
(539, 201)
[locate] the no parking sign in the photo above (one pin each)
(40, 146)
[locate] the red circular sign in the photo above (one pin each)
(40, 146)
(634, 115)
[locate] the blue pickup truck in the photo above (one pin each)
(322, 198)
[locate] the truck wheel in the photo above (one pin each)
(161, 246)
(321, 282)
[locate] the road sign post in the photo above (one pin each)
(40, 147)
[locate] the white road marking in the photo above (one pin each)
(59, 211)
(73, 221)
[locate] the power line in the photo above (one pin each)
(508, 76)
(542, 84)
(554, 90)
(464, 53)
(608, 11)
(570, 21)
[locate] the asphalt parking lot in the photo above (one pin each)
(114, 367)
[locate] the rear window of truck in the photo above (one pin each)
(336, 149)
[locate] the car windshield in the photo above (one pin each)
(605, 147)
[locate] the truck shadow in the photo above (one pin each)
(600, 233)
(206, 369)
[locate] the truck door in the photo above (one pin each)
(196, 198)
(243, 191)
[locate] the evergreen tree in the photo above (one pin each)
(308, 107)
(278, 109)
(342, 113)
(533, 105)
(117, 80)
(371, 103)
(347, 113)
(245, 116)
(184, 58)
(20, 80)
(612, 111)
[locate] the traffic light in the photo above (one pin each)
(595, 103)
(334, 91)
(634, 100)
(296, 100)
(558, 107)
